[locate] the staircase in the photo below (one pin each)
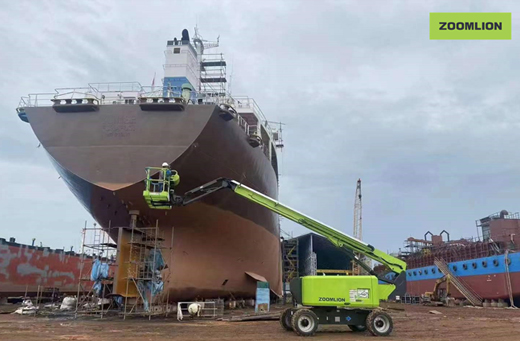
(465, 290)
(290, 260)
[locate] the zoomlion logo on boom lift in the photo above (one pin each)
(331, 299)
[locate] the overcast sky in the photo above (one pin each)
(431, 127)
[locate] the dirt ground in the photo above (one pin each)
(414, 323)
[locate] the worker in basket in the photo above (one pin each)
(169, 175)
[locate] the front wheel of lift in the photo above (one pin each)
(285, 319)
(379, 323)
(304, 322)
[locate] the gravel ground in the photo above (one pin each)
(414, 323)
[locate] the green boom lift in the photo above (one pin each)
(347, 300)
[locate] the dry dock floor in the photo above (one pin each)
(414, 323)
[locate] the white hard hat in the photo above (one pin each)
(165, 164)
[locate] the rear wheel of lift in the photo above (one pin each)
(285, 319)
(358, 328)
(304, 322)
(379, 323)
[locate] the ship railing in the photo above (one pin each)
(252, 130)
(195, 97)
(130, 93)
(243, 124)
(249, 103)
(24, 102)
(159, 92)
(104, 93)
(121, 92)
(47, 99)
(242, 103)
(114, 93)
(115, 87)
(37, 100)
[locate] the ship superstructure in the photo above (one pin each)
(488, 265)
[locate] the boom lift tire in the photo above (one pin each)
(286, 319)
(304, 322)
(379, 323)
(359, 328)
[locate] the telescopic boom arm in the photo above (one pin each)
(339, 239)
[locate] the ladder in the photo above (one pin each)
(290, 260)
(465, 290)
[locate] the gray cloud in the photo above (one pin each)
(429, 126)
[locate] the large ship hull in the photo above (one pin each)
(102, 155)
(486, 276)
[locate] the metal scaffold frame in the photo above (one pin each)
(358, 232)
(93, 296)
(290, 264)
(213, 75)
(421, 252)
(146, 243)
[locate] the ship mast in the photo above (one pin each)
(213, 81)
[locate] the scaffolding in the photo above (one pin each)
(290, 263)
(213, 75)
(147, 272)
(97, 263)
(420, 252)
(357, 269)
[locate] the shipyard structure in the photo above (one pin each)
(101, 137)
(485, 268)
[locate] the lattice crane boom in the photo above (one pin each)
(358, 210)
(358, 227)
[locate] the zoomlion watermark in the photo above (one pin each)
(472, 26)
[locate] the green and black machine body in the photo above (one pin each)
(347, 300)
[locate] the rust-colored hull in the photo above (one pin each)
(102, 155)
(486, 276)
(486, 286)
(24, 267)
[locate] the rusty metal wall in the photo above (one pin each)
(24, 267)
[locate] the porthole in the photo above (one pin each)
(420, 272)
(495, 262)
(433, 270)
(465, 266)
(454, 268)
(484, 264)
(409, 274)
(508, 261)
(474, 265)
(415, 273)
(426, 271)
